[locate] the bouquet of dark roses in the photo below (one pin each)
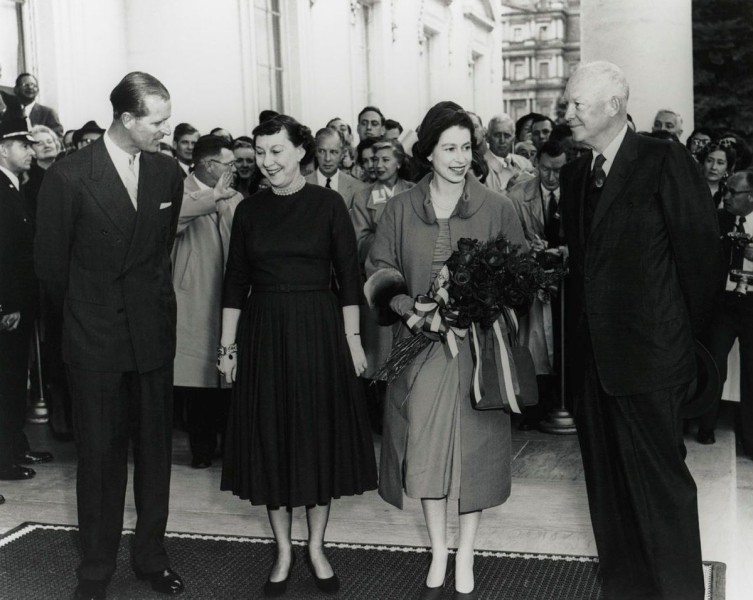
(485, 284)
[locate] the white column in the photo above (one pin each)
(652, 42)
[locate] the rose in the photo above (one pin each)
(461, 277)
(503, 246)
(475, 311)
(464, 321)
(466, 258)
(494, 257)
(466, 245)
(485, 297)
(514, 297)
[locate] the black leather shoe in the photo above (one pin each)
(16, 472)
(201, 462)
(273, 589)
(706, 436)
(34, 458)
(165, 582)
(431, 593)
(90, 590)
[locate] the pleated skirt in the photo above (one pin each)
(298, 433)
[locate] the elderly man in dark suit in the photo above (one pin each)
(106, 223)
(330, 145)
(644, 258)
(19, 300)
(24, 105)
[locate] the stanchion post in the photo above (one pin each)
(38, 412)
(559, 420)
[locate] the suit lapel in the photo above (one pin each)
(108, 190)
(579, 184)
(537, 200)
(618, 174)
(148, 206)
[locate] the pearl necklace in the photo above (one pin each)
(293, 188)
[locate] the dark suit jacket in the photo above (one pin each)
(18, 285)
(40, 114)
(644, 280)
(108, 263)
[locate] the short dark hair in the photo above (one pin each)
(329, 123)
(519, 124)
(128, 96)
(208, 146)
(267, 114)
(440, 117)
(299, 134)
(329, 132)
(702, 131)
(729, 153)
(182, 130)
(364, 145)
(371, 109)
(560, 132)
(242, 141)
(392, 124)
(552, 149)
(216, 129)
(540, 119)
(22, 75)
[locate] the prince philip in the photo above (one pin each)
(107, 217)
(645, 257)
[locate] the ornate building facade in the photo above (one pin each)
(540, 47)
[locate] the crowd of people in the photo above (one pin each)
(222, 286)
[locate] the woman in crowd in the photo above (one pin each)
(368, 205)
(247, 175)
(436, 447)
(364, 167)
(717, 164)
(298, 433)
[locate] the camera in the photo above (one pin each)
(740, 241)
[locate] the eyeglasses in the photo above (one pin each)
(224, 164)
(244, 161)
(699, 142)
(732, 192)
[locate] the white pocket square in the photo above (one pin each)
(165, 205)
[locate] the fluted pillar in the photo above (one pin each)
(652, 42)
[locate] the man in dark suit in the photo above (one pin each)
(644, 259)
(19, 300)
(330, 145)
(106, 223)
(24, 105)
(733, 310)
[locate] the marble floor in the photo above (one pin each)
(547, 512)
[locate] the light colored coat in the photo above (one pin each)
(536, 329)
(347, 186)
(199, 257)
(404, 244)
(500, 175)
(376, 340)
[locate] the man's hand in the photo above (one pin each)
(538, 244)
(223, 188)
(10, 321)
(749, 252)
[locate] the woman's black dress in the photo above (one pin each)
(298, 433)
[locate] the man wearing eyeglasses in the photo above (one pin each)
(199, 256)
(25, 106)
(733, 318)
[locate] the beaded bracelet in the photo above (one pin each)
(225, 350)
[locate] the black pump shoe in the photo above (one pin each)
(431, 593)
(273, 589)
(331, 585)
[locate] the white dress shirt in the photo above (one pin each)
(334, 180)
(121, 159)
(610, 151)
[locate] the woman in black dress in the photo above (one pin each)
(298, 433)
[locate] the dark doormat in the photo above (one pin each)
(38, 561)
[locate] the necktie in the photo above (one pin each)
(131, 183)
(596, 182)
(738, 254)
(327, 185)
(552, 221)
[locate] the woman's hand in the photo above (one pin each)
(356, 352)
(227, 362)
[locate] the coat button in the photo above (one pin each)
(588, 280)
(105, 232)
